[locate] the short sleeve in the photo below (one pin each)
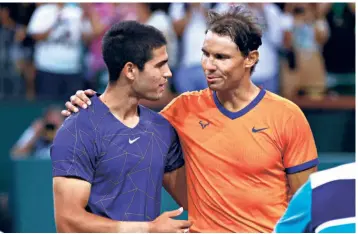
(300, 149)
(73, 151)
(43, 19)
(175, 157)
(297, 217)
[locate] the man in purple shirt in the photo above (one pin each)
(111, 159)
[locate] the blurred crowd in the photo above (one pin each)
(50, 50)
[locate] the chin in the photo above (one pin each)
(215, 87)
(154, 98)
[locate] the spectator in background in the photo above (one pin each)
(59, 32)
(156, 15)
(101, 16)
(7, 66)
(37, 139)
(266, 73)
(189, 21)
(22, 52)
(306, 33)
(339, 51)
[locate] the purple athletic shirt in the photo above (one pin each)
(124, 166)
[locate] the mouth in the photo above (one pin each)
(162, 87)
(211, 78)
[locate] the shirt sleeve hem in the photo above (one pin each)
(302, 167)
(57, 173)
(174, 167)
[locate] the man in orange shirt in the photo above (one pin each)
(247, 150)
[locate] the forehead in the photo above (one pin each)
(159, 54)
(216, 43)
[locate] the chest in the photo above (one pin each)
(234, 144)
(135, 153)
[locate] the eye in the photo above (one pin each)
(221, 56)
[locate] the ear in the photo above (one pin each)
(251, 59)
(130, 70)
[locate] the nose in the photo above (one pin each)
(208, 64)
(167, 73)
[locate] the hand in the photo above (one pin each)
(38, 126)
(80, 99)
(165, 223)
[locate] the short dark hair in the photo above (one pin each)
(240, 25)
(129, 41)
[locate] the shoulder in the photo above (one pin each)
(193, 97)
(155, 119)
(281, 105)
(84, 122)
(45, 10)
(342, 172)
(74, 126)
(156, 123)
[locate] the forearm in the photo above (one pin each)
(175, 184)
(24, 149)
(88, 222)
(41, 36)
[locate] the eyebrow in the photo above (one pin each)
(222, 54)
(161, 63)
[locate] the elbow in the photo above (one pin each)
(66, 222)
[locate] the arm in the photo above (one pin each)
(274, 29)
(74, 159)
(73, 163)
(43, 21)
(25, 144)
(300, 154)
(70, 198)
(298, 214)
(174, 180)
(296, 180)
(98, 28)
(175, 184)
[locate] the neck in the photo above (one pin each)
(120, 101)
(236, 99)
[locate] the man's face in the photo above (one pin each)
(151, 82)
(222, 62)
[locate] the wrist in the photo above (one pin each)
(134, 227)
(150, 227)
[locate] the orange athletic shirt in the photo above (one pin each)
(236, 163)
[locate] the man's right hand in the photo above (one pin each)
(165, 223)
(79, 99)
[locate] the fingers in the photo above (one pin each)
(70, 107)
(184, 224)
(83, 99)
(90, 92)
(174, 213)
(65, 113)
(77, 102)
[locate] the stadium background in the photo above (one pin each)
(319, 75)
